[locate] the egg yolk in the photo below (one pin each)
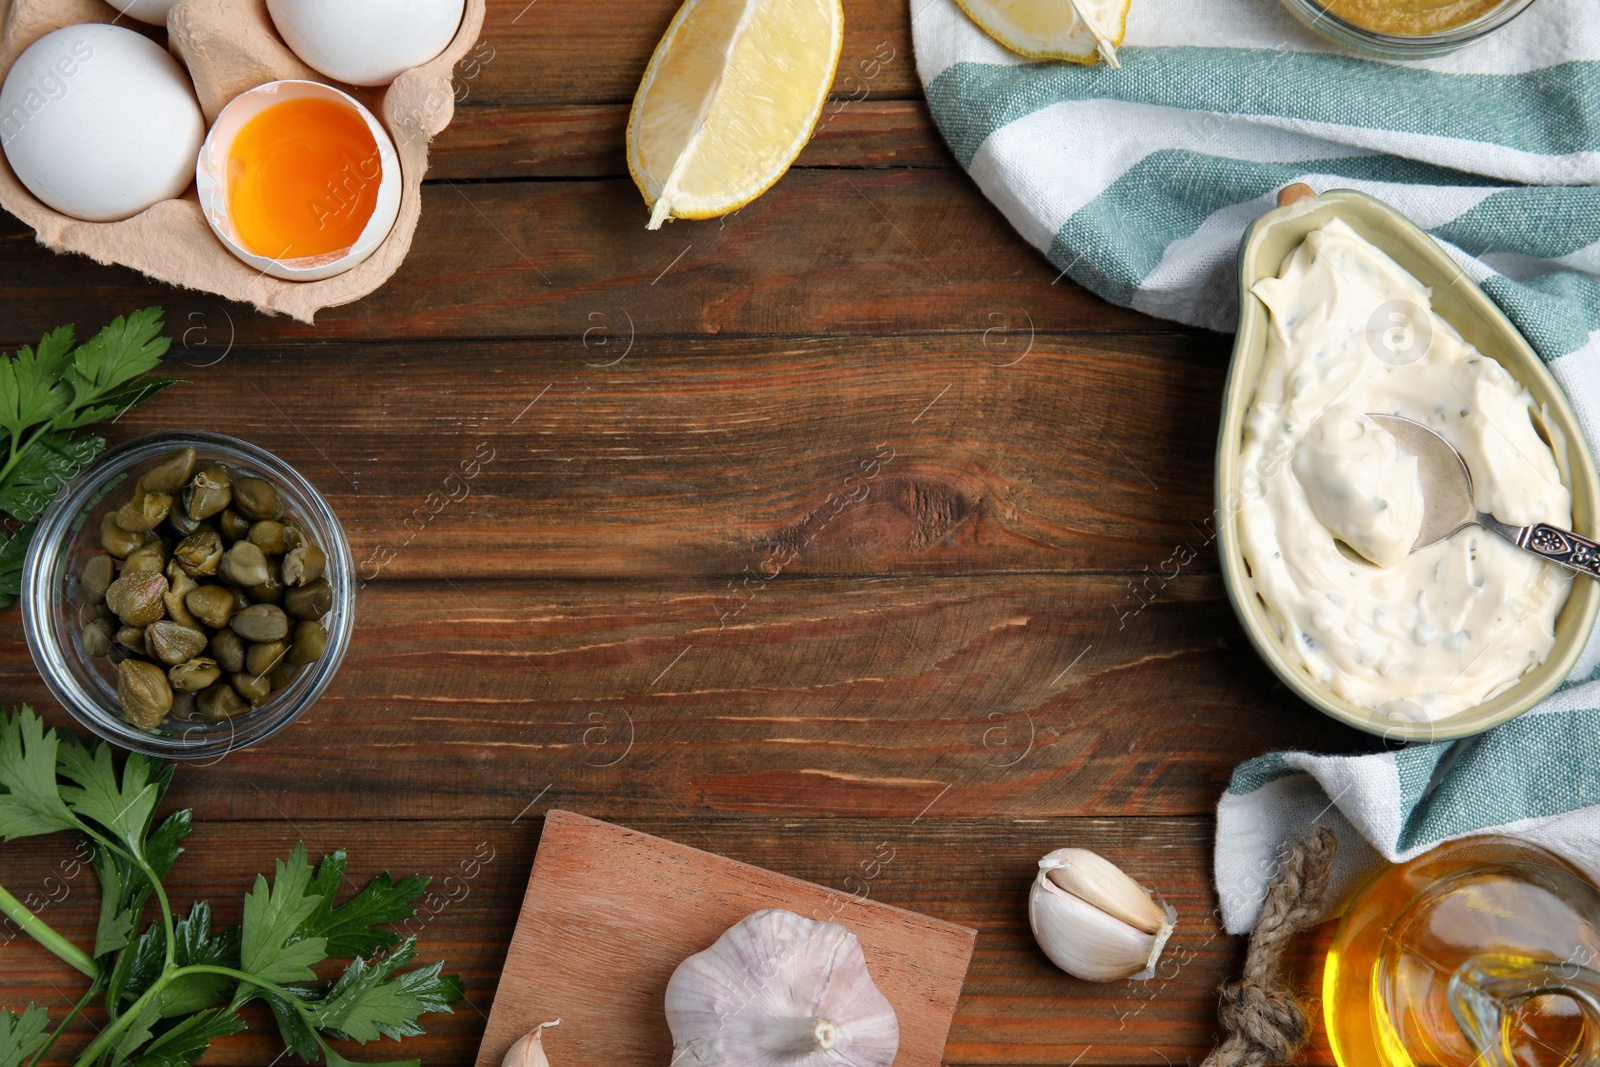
(303, 179)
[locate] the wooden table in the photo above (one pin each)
(837, 528)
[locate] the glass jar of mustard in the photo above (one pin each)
(1405, 29)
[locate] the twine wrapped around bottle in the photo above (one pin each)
(1265, 1021)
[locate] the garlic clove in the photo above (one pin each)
(1102, 939)
(529, 1049)
(1093, 878)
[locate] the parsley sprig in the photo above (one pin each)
(171, 989)
(46, 394)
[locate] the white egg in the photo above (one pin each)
(151, 11)
(367, 42)
(99, 122)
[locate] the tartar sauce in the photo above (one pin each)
(1331, 506)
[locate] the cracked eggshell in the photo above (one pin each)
(366, 42)
(211, 179)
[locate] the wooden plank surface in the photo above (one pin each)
(611, 912)
(1016, 1008)
(842, 522)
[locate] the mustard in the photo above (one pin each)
(1410, 18)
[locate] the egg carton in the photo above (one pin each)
(229, 46)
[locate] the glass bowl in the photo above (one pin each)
(1402, 46)
(69, 534)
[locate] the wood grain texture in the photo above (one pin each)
(581, 52)
(611, 912)
(586, 140)
(999, 696)
(1015, 1008)
(826, 251)
(621, 458)
(658, 599)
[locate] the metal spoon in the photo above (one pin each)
(1447, 502)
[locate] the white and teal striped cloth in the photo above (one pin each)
(1138, 184)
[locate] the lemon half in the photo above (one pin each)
(731, 95)
(1054, 29)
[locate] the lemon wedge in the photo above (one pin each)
(1076, 30)
(731, 95)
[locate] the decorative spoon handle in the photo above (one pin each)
(1561, 546)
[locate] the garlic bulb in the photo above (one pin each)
(529, 1050)
(777, 989)
(1093, 921)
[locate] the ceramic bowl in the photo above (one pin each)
(1267, 243)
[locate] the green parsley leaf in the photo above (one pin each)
(13, 550)
(126, 807)
(118, 354)
(274, 944)
(48, 392)
(186, 1042)
(22, 1037)
(195, 944)
(124, 887)
(29, 802)
(163, 1002)
(369, 1001)
(43, 469)
(31, 389)
(292, 1025)
(351, 928)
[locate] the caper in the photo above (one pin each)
(144, 511)
(211, 604)
(283, 675)
(254, 688)
(260, 658)
(303, 565)
(241, 599)
(184, 705)
(257, 498)
(97, 638)
(97, 573)
(260, 622)
(88, 613)
(309, 601)
(243, 565)
(179, 586)
(219, 703)
(171, 472)
(195, 674)
(151, 557)
(132, 639)
(227, 648)
(173, 643)
(271, 590)
(200, 554)
(233, 526)
(136, 597)
(144, 692)
(180, 523)
(117, 541)
(294, 537)
(268, 536)
(310, 642)
(209, 492)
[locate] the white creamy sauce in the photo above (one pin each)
(1331, 506)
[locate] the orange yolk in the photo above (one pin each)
(303, 179)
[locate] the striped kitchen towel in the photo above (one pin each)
(1138, 184)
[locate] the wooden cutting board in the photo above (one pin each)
(611, 912)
